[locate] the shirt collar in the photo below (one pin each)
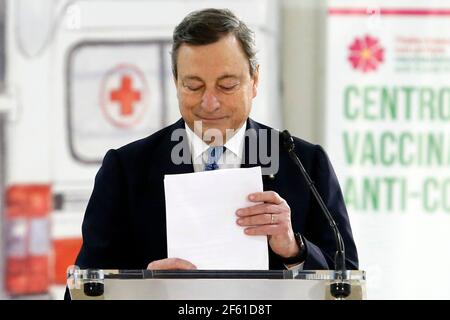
(235, 144)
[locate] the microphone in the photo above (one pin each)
(340, 289)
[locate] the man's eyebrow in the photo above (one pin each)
(192, 78)
(226, 76)
(197, 78)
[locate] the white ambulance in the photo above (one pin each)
(83, 77)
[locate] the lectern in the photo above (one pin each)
(210, 284)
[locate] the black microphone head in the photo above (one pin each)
(288, 142)
(340, 290)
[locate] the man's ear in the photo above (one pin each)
(255, 79)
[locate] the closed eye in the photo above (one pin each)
(193, 88)
(228, 88)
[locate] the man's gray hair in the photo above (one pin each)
(208, 26)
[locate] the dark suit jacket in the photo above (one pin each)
(124, 225)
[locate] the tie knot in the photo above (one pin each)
(214, 154)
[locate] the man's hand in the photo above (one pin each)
(271, 218)
(171, 264)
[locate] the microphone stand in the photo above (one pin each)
(338, 289)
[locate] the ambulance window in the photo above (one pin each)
(116, 94)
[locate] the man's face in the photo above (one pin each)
(214, 85)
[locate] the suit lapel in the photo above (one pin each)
(252, 145)
(162, 160)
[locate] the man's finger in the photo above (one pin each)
(261, 219)
(266, 196)
(171, 264)
(259, 209)
(268, 230)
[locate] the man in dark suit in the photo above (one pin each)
(216, 75)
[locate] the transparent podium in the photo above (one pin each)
(96, 284)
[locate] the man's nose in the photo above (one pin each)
(210, 102)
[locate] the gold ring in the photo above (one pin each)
(271, 218)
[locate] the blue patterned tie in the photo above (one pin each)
(214, 154)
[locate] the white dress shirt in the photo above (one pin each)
(231, 158)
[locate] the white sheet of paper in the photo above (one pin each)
(201, 219)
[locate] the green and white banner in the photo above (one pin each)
(388, 135)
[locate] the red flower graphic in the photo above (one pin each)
(366, 54)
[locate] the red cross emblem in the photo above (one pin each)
(124, 95)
